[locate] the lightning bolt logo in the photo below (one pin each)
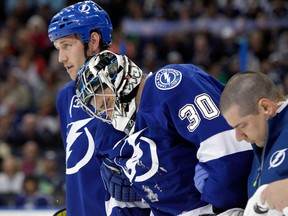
(277, 158)
(129, 168)
(84, 8)
(168, 78)
(76, 129)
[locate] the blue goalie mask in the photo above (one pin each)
(106, 86)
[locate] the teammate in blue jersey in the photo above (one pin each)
(174, 125)
(69, 30)
(254, 106)
(79, 31)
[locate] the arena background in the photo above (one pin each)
(223, 37)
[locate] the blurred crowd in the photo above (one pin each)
(223, 37)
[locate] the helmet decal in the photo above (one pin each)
(84, 8)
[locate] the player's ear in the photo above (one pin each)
(94, 44)
(95, 38)
(265, 107)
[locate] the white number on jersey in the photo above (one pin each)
(206, 106)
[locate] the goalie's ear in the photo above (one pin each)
(61, 212)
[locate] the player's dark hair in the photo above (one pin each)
(102, 45)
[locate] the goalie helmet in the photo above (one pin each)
(81, 19)
(122, 77)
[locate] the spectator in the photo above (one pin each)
(28, 130)
(52, 179)
(17, 89)
(31, 197)
(32, 163)
(11, 180)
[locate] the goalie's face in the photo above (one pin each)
(104, 103)
(106, 87)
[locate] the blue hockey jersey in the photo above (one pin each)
(178, 125)
(270, 162)
(85, 189)
(105, 139)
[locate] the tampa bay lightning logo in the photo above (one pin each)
(84, 8)
(78, 130)
(277, 158)
(144, 162)
(166, 79)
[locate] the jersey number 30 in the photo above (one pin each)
(206, 106)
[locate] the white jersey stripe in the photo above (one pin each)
(220, 145)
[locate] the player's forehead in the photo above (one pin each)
(72, 38)
(232, 115)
